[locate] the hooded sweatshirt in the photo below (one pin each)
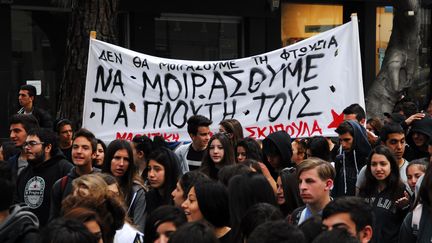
(423, 126)
(20, 226)
(349, 163)
(35, 182)
(281, 142)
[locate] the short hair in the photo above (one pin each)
(30, 88)
(88, 135)
(355, 109)
(408, 108)
(47, 137)
(375, 123)
(212, 198)
(194, 232)
(360, 212)
(257, 215)
(189, 179)
(276, 232)
(63, 230)
(324, 169)
(312, 227)
(337, 235)
(162, 214)
(345, 127)
(60, 123)
(197, 121)
(390, 128)
(319, 147)
(28, 121)
(7, 186)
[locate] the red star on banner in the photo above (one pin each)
(337, 119)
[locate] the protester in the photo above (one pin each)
(257, 215)
(277, 149)
(355, 112)
(63, 128)
(27, 100)
(299, 147)
(233, 129)
(227, 172)
(352, 214)
(288, 194)
(417, 225)
(19, 125)
(315, 178)
(191, 155)
(338, 235)
(142, 147)
(162, 222)
(17, 223)
(414, 171)
(7, 150)
(67, 231)
(163, 172)
(220, 153)
(196, 232)
(354, 151)
(276, 232)
(208, 200)
(47, 164)
(245, 191)
(119, 162)
(184, 184)
(89, 218)
(100, 154)
(418, 138)
(319, 147)
(248, 148)
(386, 193)
(83, 153)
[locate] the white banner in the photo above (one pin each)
(301, 88)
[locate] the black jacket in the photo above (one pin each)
(281, 141)
(20, 226)
(423, 126)
(349, 163)
(35, 182)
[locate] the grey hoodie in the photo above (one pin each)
(20, 226)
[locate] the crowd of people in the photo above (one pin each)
(371, 183)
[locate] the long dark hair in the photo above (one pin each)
(169, 160)
(392, 182)
(212, 198)
(425, 192)
(290, 190)
(131, 175)
(208, 167)
(233, 127)
(253, 150)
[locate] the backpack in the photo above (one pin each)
(63, 184)
(416, 216)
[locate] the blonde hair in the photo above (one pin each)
(90, 184)
(324, 169)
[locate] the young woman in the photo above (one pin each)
(414, 171)
(233, 129)
(119, 162)
(163, 171)
(162, 222)
(220, 152)
(100, 154)
(417, 226)
(288, 194)
(184, 184)
(209, 201)
(248, 148)
(386, 193)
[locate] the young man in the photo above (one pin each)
(26, 98)
(83, 152)
(353, 154)
(19, 125)
(418, 138)
(17, 223)
(190, 155)
(315, 177)
(355, 112)
(65, 133)
(351, 213)
(46, 165)
(392, 136)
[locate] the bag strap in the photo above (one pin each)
(416, 216)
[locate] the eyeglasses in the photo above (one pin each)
(31, 143)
